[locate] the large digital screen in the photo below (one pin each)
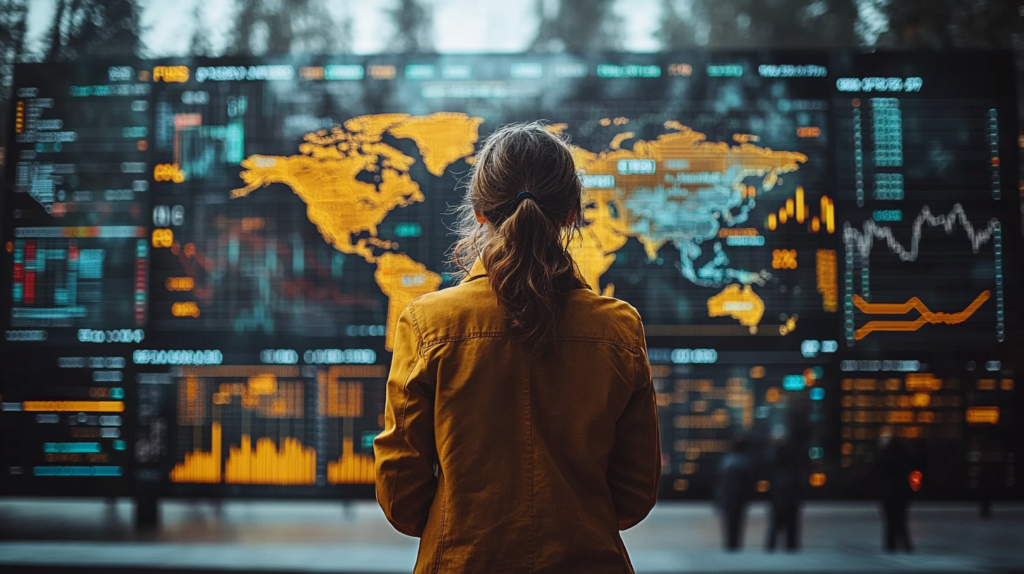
(204, 260)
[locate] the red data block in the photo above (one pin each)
(30, 287)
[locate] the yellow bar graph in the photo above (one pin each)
(828, 279)
(292, 464)
(830, 217)
(351, 468)
(797, 210)
(262, 446)
(199, 466)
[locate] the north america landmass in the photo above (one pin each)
(678, 189)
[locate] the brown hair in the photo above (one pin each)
(525, 243)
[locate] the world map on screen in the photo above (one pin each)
(679, 189)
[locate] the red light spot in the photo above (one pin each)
(915, 478)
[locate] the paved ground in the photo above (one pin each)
(329, 537)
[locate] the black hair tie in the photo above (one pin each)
(524, 195)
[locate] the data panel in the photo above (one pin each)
(76, 275)
(825, 249)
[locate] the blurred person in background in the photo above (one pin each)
(892, 468)
(733, 491)
(783, 462)
(521, 431)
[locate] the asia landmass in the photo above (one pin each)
(678, 189)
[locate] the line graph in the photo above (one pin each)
(927, 315)
(863, 240)
(859, 242)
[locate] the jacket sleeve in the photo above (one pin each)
(404, 452)
(634, 468)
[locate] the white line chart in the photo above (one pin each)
(863, 240)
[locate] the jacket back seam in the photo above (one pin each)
(533, 454)
(426, 345)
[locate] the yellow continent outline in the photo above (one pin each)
(609, 224)
(344, 208)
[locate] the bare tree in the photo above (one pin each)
(758, 23)
(944, 24)
(678, 26)
(54, 33)
(199, 45)
(413, 27)
(84, 28)
(12, 29)
(121, 29)
(314, 29)
(12, 45)
(922, 24)
(277, 17)
(286, 27)
(246, 18)
(578, 25)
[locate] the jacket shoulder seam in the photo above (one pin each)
(634, 348)
(465, 337)
(416, 327)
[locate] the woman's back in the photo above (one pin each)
(511, 450)
(532, 477)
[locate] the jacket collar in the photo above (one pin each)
(477, 270)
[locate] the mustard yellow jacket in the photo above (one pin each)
(501, 462)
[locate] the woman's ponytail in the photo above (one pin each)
(525, 186)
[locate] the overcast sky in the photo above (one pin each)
(459, 25)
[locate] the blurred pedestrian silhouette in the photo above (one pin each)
(892, 469)
(735, 482)
(783, 461)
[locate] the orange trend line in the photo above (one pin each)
(927, 316)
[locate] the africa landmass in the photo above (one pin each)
(678, 189)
